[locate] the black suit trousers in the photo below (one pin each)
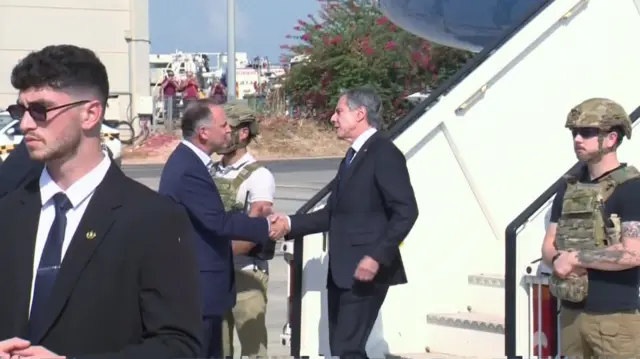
(352, 314)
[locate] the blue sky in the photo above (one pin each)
(200, 25)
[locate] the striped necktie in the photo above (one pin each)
(211, 168)
(50, 262)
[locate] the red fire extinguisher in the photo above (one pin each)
(545, 322)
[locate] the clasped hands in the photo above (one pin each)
(15, 348)
(567, 264)
(278, 226)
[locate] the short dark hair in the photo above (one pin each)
(196, 112)
(62, 67)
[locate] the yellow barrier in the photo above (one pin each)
(4, 149)
(111, 136)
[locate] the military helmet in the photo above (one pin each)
(238, 114)
(601, 113)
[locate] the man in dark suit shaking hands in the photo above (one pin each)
(92, 263)
(187, 179)
(370, 211)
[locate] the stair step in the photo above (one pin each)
(474, 321)
(485, 294)
(472, 335)
(421, 356)
(487, 280)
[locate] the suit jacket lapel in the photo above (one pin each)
(356, 162)
(93, 228)
(22, 234)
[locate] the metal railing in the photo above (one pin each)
(544, 317)
(167, 110)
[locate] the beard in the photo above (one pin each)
(56, 149)
(228, 146)
(219, 148)
(585, 156)
(225, 150)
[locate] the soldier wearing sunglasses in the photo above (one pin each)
(92, 264)
(593, 241)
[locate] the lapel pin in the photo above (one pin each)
(91, 235)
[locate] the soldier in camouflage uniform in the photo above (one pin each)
(595, 221)
(244, 184)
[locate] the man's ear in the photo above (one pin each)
(362, 113)
(94, 113)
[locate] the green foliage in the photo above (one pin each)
(350, 44)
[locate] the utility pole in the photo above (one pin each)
(231, 50)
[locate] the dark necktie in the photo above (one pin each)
(349, 157)
(345, 164)
(49, 265)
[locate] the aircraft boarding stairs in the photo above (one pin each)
(482, 152)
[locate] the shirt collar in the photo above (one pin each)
(206, 159)
(244, 160)
(359, 142)
(80, 190)
(585, 177)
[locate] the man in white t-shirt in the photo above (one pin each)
(246, 185)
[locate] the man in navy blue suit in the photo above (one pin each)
(186, 178)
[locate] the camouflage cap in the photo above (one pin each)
(601, 113)
(238, 114)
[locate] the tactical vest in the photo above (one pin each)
(228, 189)
(584, 225)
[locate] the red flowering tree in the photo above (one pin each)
(349, 44)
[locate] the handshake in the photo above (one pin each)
(20, 348)
(279, 226)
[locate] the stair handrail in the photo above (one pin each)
(393, 132)
(511, 251)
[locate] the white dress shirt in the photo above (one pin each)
(359, 142)
(79, 195)
(205, 158)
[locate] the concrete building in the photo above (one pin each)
(117, 30)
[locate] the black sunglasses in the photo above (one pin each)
(586, 132)
(38, 111)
